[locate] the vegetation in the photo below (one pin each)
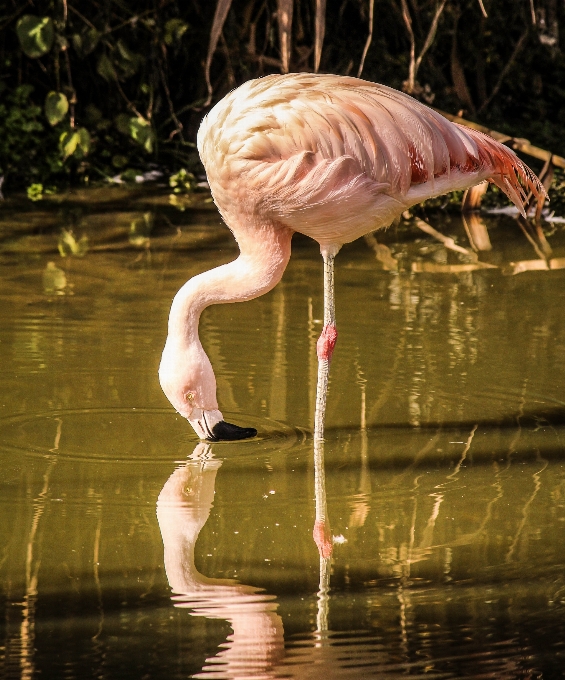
(102, 88)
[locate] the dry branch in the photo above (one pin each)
(415, 62)
(517, 49)
(284, 16)
(320, 32)
(222, 9)
(472, 197)
(447, 241)
(369, 37)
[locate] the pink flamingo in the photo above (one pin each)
(328, 156)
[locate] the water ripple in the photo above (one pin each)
(126, 435)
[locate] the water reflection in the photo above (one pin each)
(442, 465)
(54, 280)
(256, 644)
(255, 648)
(477, 231)
(21, 646)
(322, 537)
(420, 568)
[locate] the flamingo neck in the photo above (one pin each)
(264, 254)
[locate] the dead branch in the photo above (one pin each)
(369, 37)
(519, 45)
(533, 12)
(220, 15)
(447, 241)
(473, 196)
(415, 62)
(457, 72)
(284, 17)
(320, 32)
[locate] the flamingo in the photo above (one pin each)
(331, 157)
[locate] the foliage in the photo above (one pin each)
(36, 35)
(35, 191)
(28, 150)
(56, 107)
(91, 90)
(182, 182)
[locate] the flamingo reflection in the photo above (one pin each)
(256, 645)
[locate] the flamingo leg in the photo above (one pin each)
(324, 348)
(326, 342)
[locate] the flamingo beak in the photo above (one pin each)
(210, 426)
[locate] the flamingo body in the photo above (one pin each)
(328, 156)
(335, 157)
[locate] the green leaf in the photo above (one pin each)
(127, 62)
(68, 143)
(106, 69)
(182, 181)
(35, 192)
(36, 35)
(93, 114)
(85, 42)
(137, 128)
(119, 161)
(121, 121)
(174, 30)
(140, 130)
(62, 43)
(125, 52)
(75, 143)
(77, 42)
(130, 175)
(56, 107)
(83, 140)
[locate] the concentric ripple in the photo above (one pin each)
(126, 435)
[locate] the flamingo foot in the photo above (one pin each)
(323, 538)
(326, 342)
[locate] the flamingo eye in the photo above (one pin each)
(189, 396)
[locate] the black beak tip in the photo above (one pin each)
(227, 432)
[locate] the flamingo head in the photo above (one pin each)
(188, 381)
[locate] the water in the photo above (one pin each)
(129, 550)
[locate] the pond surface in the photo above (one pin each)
(130, 550)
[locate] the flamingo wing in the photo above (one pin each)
(335, 157)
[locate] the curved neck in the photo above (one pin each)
(264, 254)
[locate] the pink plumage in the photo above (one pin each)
(328, 156)
(334, 157)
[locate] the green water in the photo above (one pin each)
(129, 550)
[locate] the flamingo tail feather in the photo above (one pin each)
(510, 174)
